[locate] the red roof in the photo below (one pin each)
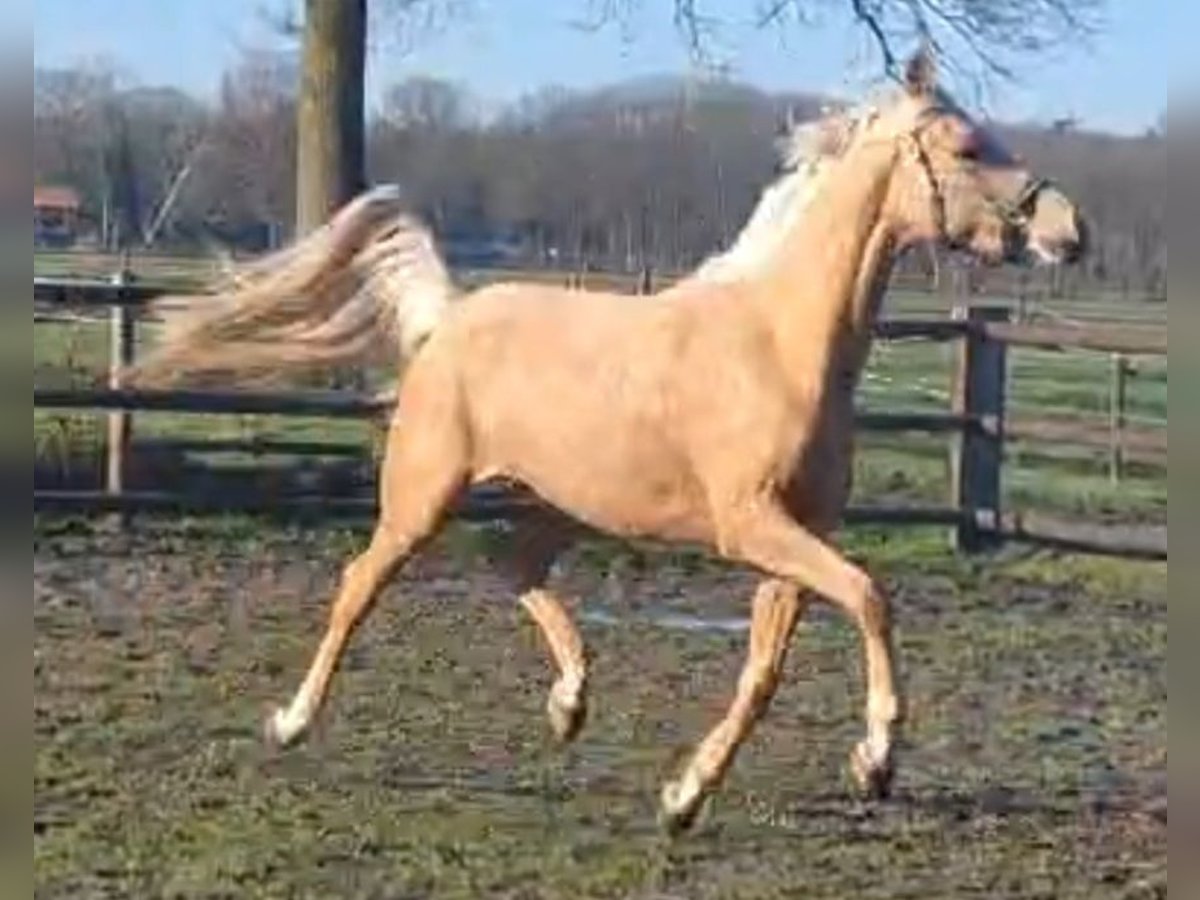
(55, 197)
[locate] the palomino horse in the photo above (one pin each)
(718, 412)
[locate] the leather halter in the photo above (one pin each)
(1015, 211)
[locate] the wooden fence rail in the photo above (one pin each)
(1108, 338)
(94, 292)
(1149, 444)
(343, 404)
(977, 424)
(325, 404)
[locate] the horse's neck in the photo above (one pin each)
(822, 294)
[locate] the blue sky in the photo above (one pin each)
(505, 47)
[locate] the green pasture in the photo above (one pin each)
(901, 376)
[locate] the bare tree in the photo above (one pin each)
(330, 156)
(430, 104)
(626, 175)
(165, 128)
(978, 37)
(331, 161)
(246, 175)
(331, 120)
(69, 127)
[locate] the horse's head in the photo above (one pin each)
(957, 185)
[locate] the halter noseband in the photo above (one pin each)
(1014, 212)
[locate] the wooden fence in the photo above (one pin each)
(976, 425)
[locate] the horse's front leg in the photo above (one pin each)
(767, 537)
(777, 607)
(422, 474)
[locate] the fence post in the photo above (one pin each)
(121, 337)
(977, 453)
(1116, 416)
(646, 281)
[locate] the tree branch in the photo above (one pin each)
(984, 35)
(870, 17)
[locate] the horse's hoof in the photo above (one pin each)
(566, 720)
(273, 733)
(678, 812)
(874, 780)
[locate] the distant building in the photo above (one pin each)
(55, 216)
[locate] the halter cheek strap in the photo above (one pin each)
(1019, 209)
(1015, 211)
(936, 196)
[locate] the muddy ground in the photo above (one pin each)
(1034, 763)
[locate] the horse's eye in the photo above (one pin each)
(970, 153)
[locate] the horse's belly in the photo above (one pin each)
(619, 478)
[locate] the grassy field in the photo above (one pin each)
(906, 376)
(1034, 761)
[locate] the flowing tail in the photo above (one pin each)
(368, 283)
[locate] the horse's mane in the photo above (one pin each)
(805, 154)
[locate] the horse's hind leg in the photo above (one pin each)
(538, 541)
(566, 704)
(423, 472)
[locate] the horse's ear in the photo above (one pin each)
(920, 74)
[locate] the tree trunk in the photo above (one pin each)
(330, 124)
